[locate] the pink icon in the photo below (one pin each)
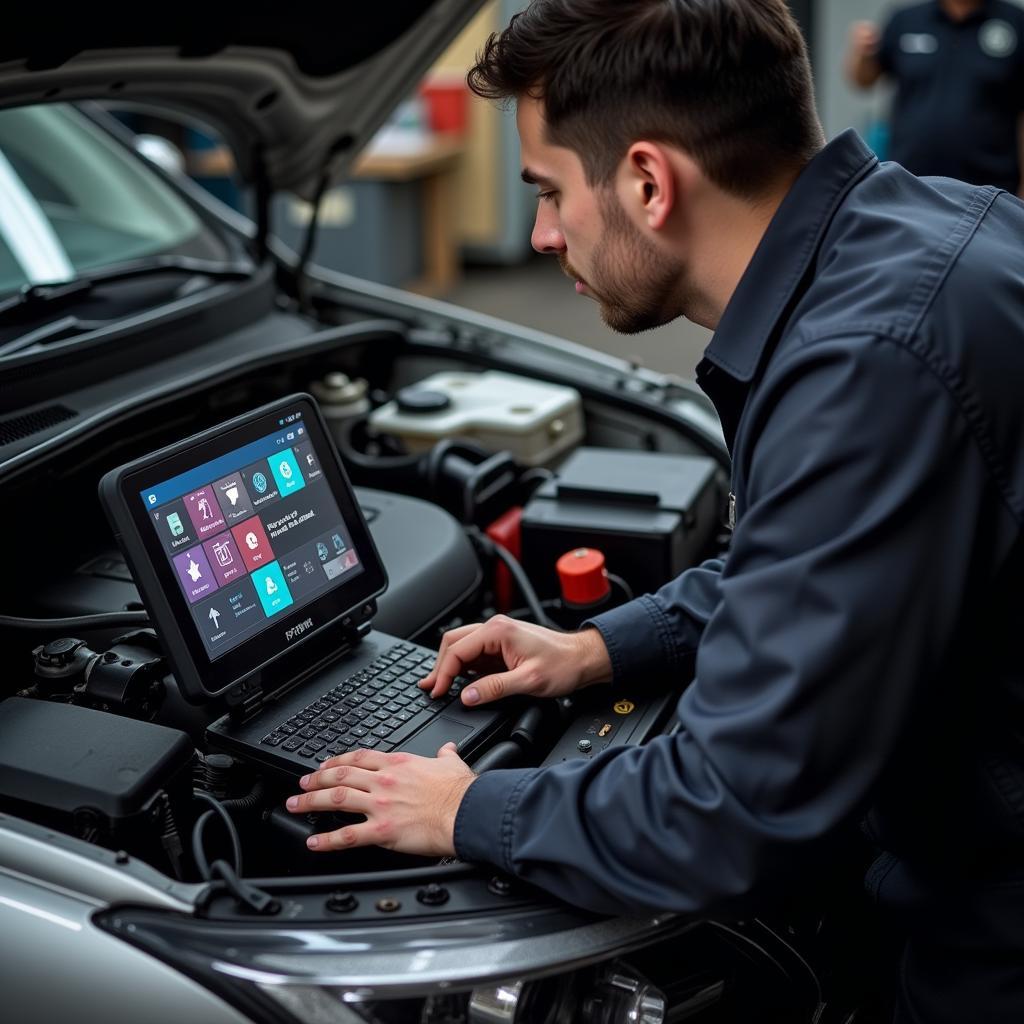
(204, 512)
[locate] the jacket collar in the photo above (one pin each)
(780, 263)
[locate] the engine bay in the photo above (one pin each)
(439, 511)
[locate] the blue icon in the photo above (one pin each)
(174, 522)
(321, 550)
(339, 544)
(152, 499)
(259, 481)
(271, 589)
(286, 472)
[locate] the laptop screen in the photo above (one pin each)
(244, 539)
(251, 534)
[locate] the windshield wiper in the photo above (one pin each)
(26, 302)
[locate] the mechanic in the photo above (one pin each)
(855, 659)
(958, 69)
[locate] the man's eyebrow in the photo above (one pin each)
(532, 178)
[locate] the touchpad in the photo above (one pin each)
(430, 739)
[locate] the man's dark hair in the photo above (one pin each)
(726, 80)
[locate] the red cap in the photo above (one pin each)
(583, 577)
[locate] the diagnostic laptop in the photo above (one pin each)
(261, 576)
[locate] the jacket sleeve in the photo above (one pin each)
(657, 634)
(849, 568)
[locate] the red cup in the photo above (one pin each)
(447, 102)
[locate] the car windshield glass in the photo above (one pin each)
(73, 199)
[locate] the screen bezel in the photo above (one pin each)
(200, 677)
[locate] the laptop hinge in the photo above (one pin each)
(246, 698)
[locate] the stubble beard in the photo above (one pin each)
(637, 285)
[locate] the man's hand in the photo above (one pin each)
(864, 39)
(520, 658)
(410, 802)
(862, 66)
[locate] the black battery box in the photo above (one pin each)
(113, 781)
(652, 514)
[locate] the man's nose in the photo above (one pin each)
(547, 236)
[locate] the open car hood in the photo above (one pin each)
(296, 90)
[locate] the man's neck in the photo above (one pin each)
(960, 10)
(726, 232)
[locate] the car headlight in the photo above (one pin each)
(624, 997)
(617, 994)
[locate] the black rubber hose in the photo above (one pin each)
(518, 574)
(197, 834)
(78, 624)
(503, 755)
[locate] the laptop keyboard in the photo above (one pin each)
(365, 709)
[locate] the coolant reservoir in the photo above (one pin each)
(533, 420)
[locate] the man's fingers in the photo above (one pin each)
(371, 760)
(447, 640)
(341, 775)
(367, 833)
(500, 684)
(448, 750)
(465, 651)
(338, 798)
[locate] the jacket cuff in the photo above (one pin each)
(485, 822)
(639, 639)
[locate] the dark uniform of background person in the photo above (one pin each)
(853, 667)
(958, 69)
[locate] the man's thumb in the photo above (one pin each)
(448, 750)
(489, 688)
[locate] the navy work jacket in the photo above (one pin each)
(858, 654)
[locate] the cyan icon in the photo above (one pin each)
(286, 472)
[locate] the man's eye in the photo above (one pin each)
(546, 196)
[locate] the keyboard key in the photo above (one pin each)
(330, 716)
(293, 743)
(306, 752)
(329, 735)
(308, 733)
(359, 731)
(273, 739)
(288, 730)
(324, 755)
(383, 731)
(369, 743)
(392, 708)
(404, 716)
(315, 745)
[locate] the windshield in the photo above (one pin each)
(73, 199)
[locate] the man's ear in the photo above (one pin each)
(651, 183)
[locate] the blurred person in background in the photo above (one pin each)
(958, 70)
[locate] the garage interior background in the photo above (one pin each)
(436, 203)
